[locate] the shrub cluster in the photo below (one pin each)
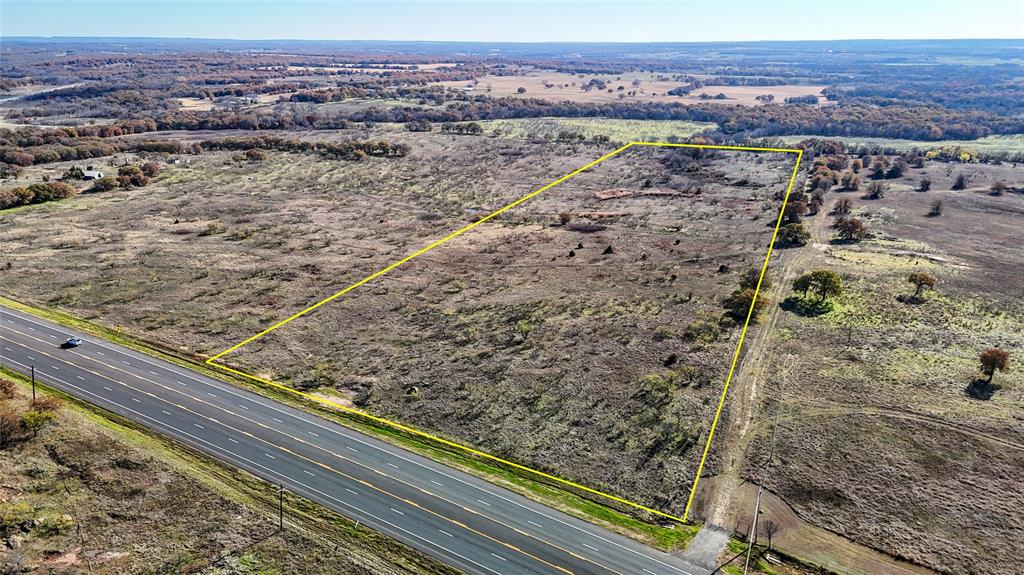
(35, 194)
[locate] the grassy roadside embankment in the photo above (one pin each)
(665, 537)
(131, 499)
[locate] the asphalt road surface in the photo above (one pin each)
(461, 520)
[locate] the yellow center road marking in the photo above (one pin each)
(395, 425)
(324, 465)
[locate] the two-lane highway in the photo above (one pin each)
(461, 520)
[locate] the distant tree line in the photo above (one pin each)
(346, 150)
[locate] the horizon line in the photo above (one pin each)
(4, 37)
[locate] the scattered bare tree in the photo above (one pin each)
(877, 190)
(740, 302)
(824, 283)
(771, 527)
(960, 183)
(10, 425)
(750, 277)
(843, 207)
(793, 235)
(851, 229)
(921, 282)
(994, 359)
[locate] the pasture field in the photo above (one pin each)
(493, 340)
(881, 438)
(635, 87)
(617, 130)
(374, 70)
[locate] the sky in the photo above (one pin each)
(503, 21)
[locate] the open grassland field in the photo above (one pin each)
(232, 103)
(592, 349)
(379, 69)
(616, 130)
(90, 496)
(879, 439)
(635, 87)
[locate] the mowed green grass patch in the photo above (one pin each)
(616, 130)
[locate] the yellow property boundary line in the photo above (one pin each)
(395, 425)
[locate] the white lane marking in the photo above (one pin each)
(309, 473)
(80, 377)
(152, 372)
(101, 353)
(210, 394)
(242, 406)
(180, 383)
(55, 367)
(396, 511)
(125, 362)
(499, 557)
(313, 434)
(165, 412)
(232, 440)
(271, 471)
(107, 388)
(535, 524)
(341, 433)
(9, 349)
(651, 572)
(199, 426)
(352, 449)
(436, 483)
(30, 357)
(484, 502)
(442, 532)
(351, 491)
(280, 421)
(136, 400)
(591, 547)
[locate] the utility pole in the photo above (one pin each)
(753, 530)
(280, 508)
(33, 383)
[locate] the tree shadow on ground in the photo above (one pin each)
(981, 389)
(807, 307)
(844, 241)
(911, 299)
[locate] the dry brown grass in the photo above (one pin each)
(879, 440)
(501, 339)
(565, 86)
(87, 495)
